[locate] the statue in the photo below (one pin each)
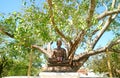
(57, 58)
(59, 54)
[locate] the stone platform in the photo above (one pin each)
(57, 69)
(59, 75)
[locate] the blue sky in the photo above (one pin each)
(8, 6)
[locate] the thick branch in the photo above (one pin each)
(6, 33)
(53, 22)
(77, 41)
(76, 64)
(90, 53)
(113, 3)
(101, 32)
(42, 50)
(91, 11)
(109, 46)
(107, 13)
(100, 50)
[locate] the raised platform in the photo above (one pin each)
(57, 69)
(59, 75)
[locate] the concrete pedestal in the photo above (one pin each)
(57, 69)
(59, 75)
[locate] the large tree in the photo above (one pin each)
(79, 23)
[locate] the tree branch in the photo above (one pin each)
(112, 43)
(110, 18)
(88, 20)
(76, 64)
(6, 33)
(105, 6)
(95, 31)
(91, 11)
(99, 50)
(90, 53)
(77, 41)
(42, 50)
(114, 50)
(80, 36)
(53, 22)
(107, 13)
(101, 32)
(113, 3)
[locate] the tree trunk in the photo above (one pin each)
(30, 63)
(76, 64)
(108, 62)
(66, 66)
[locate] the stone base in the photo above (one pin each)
(59, 75)
(57, 69)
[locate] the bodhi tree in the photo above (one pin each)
(81, 24)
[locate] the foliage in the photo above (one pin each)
(20, 30)
(99, 63)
